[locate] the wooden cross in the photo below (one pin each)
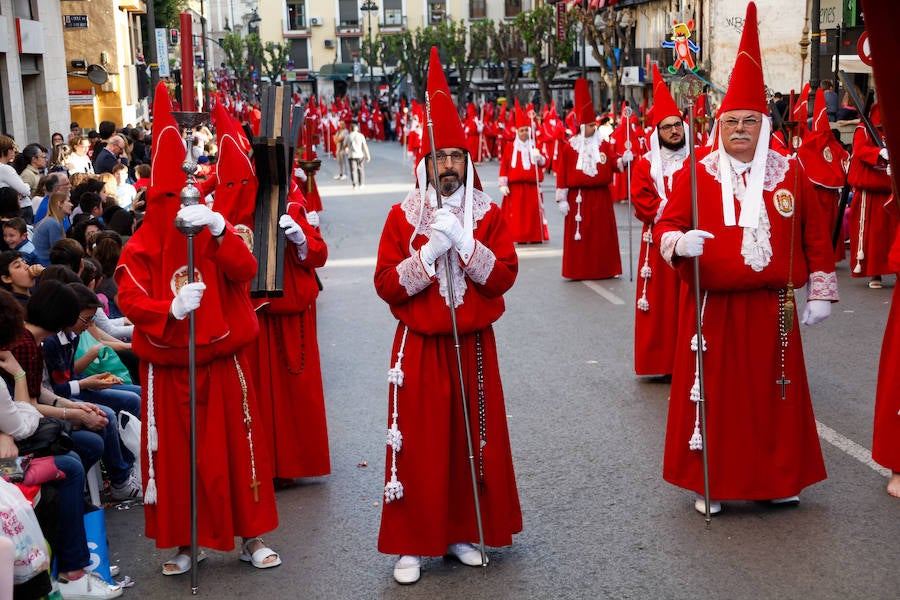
(783, 383)
(255, 487)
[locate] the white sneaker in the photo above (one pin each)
(408, 569)
(129, 489)
(88, 587)
(789, 501)
(715, 507)
(467, 554)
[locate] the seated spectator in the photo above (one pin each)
(83, 227)
(69, 253)
(91, 205)
(107, 249)
(78, 160)
(110, 187)
(53, 227)
(15, 235)
(125, 192)
(35, 162)
(9, 204)
(59, 155)
(16, 276)
(52, 307)
(63, 369)
(115, 333)
(142, 171)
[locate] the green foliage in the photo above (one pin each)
(166, 12)
(275, 59)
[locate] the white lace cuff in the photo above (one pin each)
(562, 194)
(481, 265)
(822, 286)
(414, 275)
(667, 244)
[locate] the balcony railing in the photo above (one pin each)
(346, 26)
(392, 22)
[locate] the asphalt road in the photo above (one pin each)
(587, 439)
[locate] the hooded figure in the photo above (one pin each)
(428, 508)
(652, 176)
(235, 493)
(587, 165)
(760, 235)
(521, 171)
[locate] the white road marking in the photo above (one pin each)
(602, 291)
(848, 446)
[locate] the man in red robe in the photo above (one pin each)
(520, 175)
(587, 164)
(429, 504)
(765, 236)
(474, 132)
(873, 222)
(235, 493)
(656, 313)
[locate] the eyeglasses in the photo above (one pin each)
(668, 128)
(746, 122)
(86, 321)
(456, 156)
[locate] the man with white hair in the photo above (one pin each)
(760, 234)
(652, 175)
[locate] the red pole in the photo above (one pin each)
(187, 63)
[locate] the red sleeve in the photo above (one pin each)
(231, 257)
(644, 196)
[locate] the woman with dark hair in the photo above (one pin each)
(107, 250)
(83, 227)
(52, 307)
(67, 252)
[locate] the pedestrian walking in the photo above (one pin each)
(340, 149)
(357, 152)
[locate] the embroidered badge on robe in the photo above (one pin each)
(784, 202)
(603, 158)
(179, 279)
(826, 154)
(246, 234)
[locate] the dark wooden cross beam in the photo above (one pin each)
(273, 170)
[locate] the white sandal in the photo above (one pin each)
(182, 562)
(259, 556)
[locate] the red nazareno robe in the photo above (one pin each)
(230, 471)
(761, 445)
(437, 507)
(286, 363)
(886, 433)
(596, 254)
(655, 323)
(872, 223)
(522, 207)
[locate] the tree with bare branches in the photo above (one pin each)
(538, 29)
(507, 49)
(607, 30)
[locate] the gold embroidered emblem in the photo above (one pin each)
(246, 234)
(827, 155)
(179, 278)
(603, 158)
(784, 202)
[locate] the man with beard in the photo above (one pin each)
(651, 183)
(429, 508)
(760, 233)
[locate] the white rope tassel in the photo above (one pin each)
(860, 254)
(152, 441)
(696, 441)
(393, 489)
(578, 217)
(646, 272)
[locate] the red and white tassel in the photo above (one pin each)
(152, 440)
(578, 217)
(393, 489)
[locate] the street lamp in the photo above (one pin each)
(369, 6)
(253, 27)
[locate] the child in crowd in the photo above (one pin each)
(15, 235)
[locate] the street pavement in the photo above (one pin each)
(587, 439)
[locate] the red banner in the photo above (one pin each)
(561, 21)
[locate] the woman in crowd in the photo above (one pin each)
(52, 228)
(79, 161)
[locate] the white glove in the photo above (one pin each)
(535, 155)
(883, 153)
(627, 157)
(436, 246)
(504, 190)
(187, 300)
(447, 223)
(200, 215)
(300, 174)
(691, 243)
(816, 311)
(563, 206)
(292, 229)
(312, 217)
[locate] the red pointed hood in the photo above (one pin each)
(747, 90)
(448, 129)
(522, 119)
(584, 105)
(236, 182)
(663, 104)
(166, 177)
(820, 113)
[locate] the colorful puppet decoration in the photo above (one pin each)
(681, 42)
